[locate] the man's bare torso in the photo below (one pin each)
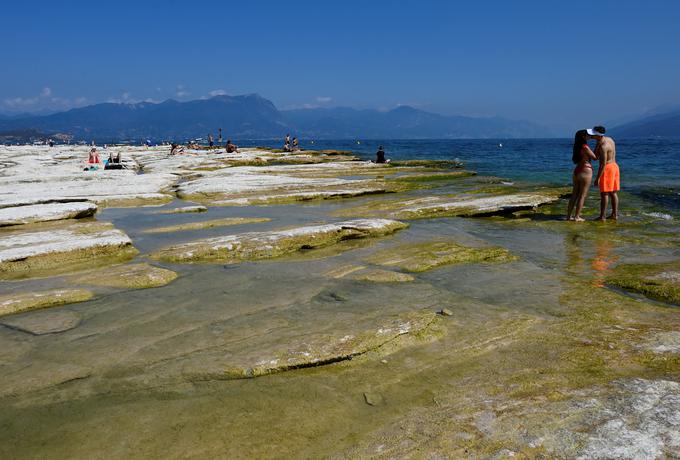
(606, 150)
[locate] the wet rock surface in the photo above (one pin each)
(133, 276)
(660, 282)
(43, 322)
(20, 302)
(266, 245)
(226, 222)
(420, 257)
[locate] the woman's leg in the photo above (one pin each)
(573, 198)
(584, 180)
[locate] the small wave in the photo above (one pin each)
(658, 215)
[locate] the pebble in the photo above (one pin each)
(373, 399)
(445, 312)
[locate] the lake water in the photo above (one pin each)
(649, 167)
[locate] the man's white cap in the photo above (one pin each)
(592, 132)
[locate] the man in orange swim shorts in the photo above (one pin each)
(608, 179)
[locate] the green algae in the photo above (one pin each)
(134, 276)
(228, 221)
(420, 257)
(656, 281)
(434, 177)
(21, 302)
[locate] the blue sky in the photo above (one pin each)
(558, 63)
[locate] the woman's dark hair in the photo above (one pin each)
(580, 139)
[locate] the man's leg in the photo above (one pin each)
(615, 205)
(604, 199)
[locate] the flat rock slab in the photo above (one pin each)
(133, 276)
(43, 322)
(18, 215)
(185, 209)
(61, 249)
(657, 281)
(420, 257)
(226, 222)
(662, 342)
(484, 206)
(281, 198)
(17, 303)
(266, 245)
(307, 351)
(362, 273)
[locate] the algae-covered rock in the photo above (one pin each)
(441, 164)
(44, 322)
(228, 221)
(134, 276)
(17, 215)
(420, 257)
(311, 350)
(484, 206)
(53, 250)
(656, 281)
(292, 197)
(17, 303)
(361, 273)
(266, 245)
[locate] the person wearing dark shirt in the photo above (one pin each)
(380, 155)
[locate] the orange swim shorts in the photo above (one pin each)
(609, 181)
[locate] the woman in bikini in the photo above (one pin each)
(583, 175)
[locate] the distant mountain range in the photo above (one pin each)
(659, 125)
(252, 117)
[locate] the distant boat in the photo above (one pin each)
(500, 145)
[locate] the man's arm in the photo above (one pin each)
(599, 153)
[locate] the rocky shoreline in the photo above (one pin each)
(182, 278)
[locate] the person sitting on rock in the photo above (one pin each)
(231, 148)
(380, 155)
(296, 145)
(176, 149)
(113, 161)
(93, 160)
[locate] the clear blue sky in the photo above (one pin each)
(554, 62)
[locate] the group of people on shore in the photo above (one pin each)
(291, 145)
(94, 161)
(607, 179)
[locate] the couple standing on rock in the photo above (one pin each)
(607, 175)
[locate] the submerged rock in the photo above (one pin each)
(662, 342)
(420, 257)
(61, 249)
(656, 281)
(17, 215)
(642, 422)
(266, 245)
(135, 276)
(310, 350)
(361, 273)
(44, 322)
(485, 206)
(185, 209)
(17, 303)
(228, 221)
